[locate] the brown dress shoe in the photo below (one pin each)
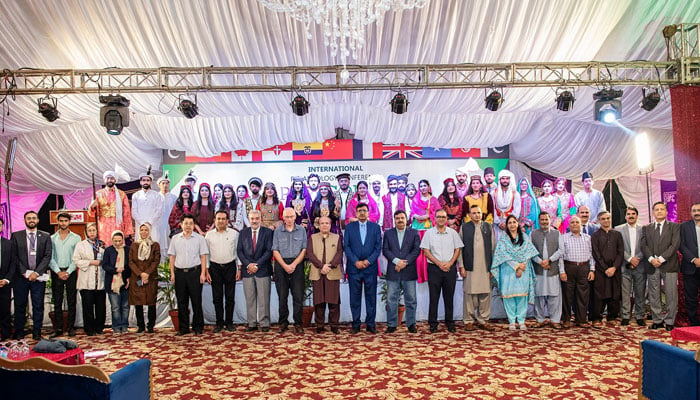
(487, 327)
(566, 324)
(583, 325)
(597, 325)
(557, 325)
(540, 325)
(469, 326)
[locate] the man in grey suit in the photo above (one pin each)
(660, 242)
(690, 242)
(546, 266)
(634, 278)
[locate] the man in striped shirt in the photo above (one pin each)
(579, 266)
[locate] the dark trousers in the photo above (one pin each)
(599, 305)
(223, 282)
(151, 317)
(333, 314)
(188, 289)
(576, 285)
(445, 282)
(356, 281)
(285, 282)
(94, 310)
(5, 317)
(23, 288)
(58, 286)
(690, 289)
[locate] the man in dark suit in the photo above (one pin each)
(255, 252)
(401, 248)
(660, 242)
(7, 272)
(32, 250)
(690, 241)
(362, 244)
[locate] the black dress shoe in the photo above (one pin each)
(641, 322)
(372, 330)
(390, 329)
(231, 328)
(71, 332)
(354, 330)
(298, 329)
(265, 329)
(412, 329)
(218, 329)
(56, 334)
(36, 336)
(90, 333)
(151, 330)
(251, 329)
(197, 332)
(182, 333)
(669, 327)
(141, 329)
(625, 322)
(433, 329)
(284, 328)
(451, 329)
(335, 330)
(656, 326)
(320, 329)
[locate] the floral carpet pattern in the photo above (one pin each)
(534, 364)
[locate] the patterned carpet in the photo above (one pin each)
(535, 364)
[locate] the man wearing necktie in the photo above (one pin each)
(32, 248)
(660, 242)
(254, 251)
(7, 274)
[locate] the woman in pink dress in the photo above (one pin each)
(423, 209)
(550, 203)
(529, 209)
(568, 205)
(362, 196)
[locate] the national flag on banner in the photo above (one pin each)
(223, 157)
(398, 151)
(307, 151)
(436, 152)
(281, 152)
(466, 152)
(338, 149)
(242, 155)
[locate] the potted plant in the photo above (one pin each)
(308, 310)
(166, 293)
(384, 292)
(52, 314)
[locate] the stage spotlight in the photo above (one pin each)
(493, 100)
(188, 108)
(299, 105)
(651, 100)
(399, 104)
(114, 115)
(565, 101)
(607, 107)
(47, 108)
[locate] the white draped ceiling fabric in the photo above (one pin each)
(59, 157)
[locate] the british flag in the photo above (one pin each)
(397, 151)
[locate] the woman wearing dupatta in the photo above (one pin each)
(299, 199)
(362, 196)
(568, 204)
(423, 209)
(529, 208)
(512, 269)
(550, 203)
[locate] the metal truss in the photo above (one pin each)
(369, 77)
(683, 44)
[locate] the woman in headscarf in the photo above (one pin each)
(117, 272)
(423, 209)
(144, 257)
(512, 269)
(450, 202)
(183, 205)
(87, 257)
(299, 199)
(479, 195)
(529, 208)
(568, 204)
(362, 196)
(270, 207)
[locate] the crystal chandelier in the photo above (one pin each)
(343, 21)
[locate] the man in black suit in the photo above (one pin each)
(401, 254)
(690, 241)
(7, 272)
(660, 242)
(32, 250)
(255, 252)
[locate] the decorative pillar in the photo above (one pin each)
(685, 112)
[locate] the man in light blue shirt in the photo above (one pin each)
(63, 274)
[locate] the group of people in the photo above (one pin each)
(556, 250)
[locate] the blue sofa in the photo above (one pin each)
(40, 378)
(668, 372)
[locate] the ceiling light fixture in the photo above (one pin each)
(565, 100)
(299, 105)
(188, 108)
(399, 104)
(47, 108)
(651, 100)
(493, 100)
(114, 115)
(607, 107)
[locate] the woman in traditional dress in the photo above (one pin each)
(512, 269)
(233, 208)
(529, 209)
(203, 210)
(183, 205)
(241, 192)
(218, 192)
(143, 262)
(477, 194)
(299, 199)
(270, 207)
(324, 206)
(411, 192)
(450, 202)
(87, 257)
(550, 203)
(568, 204)
(423, 209)
(117, 272)
(362, 196)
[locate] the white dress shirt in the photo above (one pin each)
(222, 245)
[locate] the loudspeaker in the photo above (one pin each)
(10, 159)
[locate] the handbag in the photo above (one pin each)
(117, 283)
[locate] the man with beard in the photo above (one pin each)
(312, 185)
(31, 249)
(7, 275)
(376, 191)
(690, 233)
(191, 181)
(634, 279)
(392, 202)
(608, 251)
(147, 205)
(590, 197)
(402, 182)
(461, 175)
(251, 203)
(489, 179)
(343, 196)
(506, 200)
(169, 200)
(64, 273)
(112, 205)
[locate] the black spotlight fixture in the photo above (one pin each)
(651, 100)
(565, 101)
(47, 108)
(300, 106)
(114, 115)
(188, 107)
(607, 107)
(493, 100)
(399, 104)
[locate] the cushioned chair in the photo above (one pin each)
(39, 378)
(668, 372)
